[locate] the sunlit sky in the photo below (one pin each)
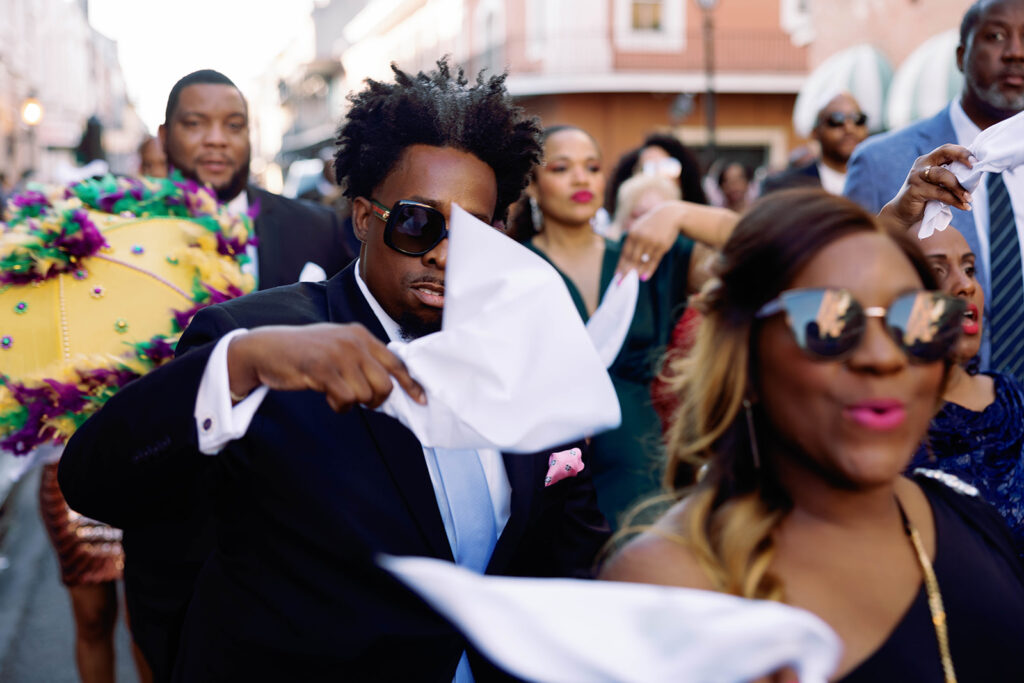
(159, 41)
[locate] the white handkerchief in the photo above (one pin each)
(512, 367)
(312, 272)
(597, 631)
(996, 149)
(610, 323)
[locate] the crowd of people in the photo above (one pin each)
(818, 406)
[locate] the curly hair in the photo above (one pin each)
(437, 108)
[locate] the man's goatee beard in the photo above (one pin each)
(234, 186)
(411, 327)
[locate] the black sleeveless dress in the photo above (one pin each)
(982, 585)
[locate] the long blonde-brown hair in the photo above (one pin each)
(732, 513)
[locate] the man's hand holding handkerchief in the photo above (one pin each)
(996, 149)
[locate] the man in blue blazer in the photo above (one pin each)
(880, 165)
(991, 57)
(267, 412)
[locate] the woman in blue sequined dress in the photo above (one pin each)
(978, 435)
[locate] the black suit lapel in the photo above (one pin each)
(268, 239)
(401, 452)
(524, 476)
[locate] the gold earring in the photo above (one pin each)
(751, 434)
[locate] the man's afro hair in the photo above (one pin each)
(440, 109)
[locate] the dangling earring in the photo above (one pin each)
(536, 217)
(749, 410)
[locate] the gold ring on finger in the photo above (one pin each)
(927, 170)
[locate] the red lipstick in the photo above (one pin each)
(971, 319)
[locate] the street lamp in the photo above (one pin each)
(31, 111)
(32, 115)
(709, 73)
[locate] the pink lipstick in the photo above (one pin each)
(583, 197)
(880, 414)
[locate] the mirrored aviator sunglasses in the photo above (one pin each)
(828, 324)
(411, 228)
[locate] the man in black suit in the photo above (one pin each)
(314, 484)
(205, 135)
(841, 126)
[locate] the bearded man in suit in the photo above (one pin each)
(205, 135)
(991, 57)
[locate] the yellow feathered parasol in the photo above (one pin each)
(96, 282)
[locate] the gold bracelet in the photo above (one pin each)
(235, 398)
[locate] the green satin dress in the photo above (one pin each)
(627, 461)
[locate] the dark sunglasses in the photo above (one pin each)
(828, 324)
(838, 119)
(411, 228)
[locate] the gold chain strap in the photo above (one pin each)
(931, 587)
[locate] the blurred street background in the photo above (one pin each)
(735, 80)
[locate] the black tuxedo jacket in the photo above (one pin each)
(290, 233)
(302, 503)
(801, 176)
(162, 560)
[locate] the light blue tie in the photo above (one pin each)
(1006, 310)
(469, 501)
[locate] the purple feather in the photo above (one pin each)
(107, 201)
(29, 198)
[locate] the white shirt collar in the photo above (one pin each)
(393, 330)
(239, 205)
(965, 129)
(831, 179)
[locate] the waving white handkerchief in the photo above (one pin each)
(512, 367)
(610, 323)
(594, 631)
(996, 149)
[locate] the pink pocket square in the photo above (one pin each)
(563, 464)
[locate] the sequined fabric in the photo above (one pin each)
(984, 449)
(88, 551)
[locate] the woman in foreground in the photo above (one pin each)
(806, 404)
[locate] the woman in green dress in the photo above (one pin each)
(555, 221)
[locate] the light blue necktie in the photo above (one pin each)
(1006, 310)
(469, 501)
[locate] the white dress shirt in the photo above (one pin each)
(832, 181)
(218, 422)
(237, 207)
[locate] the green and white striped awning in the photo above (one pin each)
(925, 82)
(862, 70)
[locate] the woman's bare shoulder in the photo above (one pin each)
(661, 555)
